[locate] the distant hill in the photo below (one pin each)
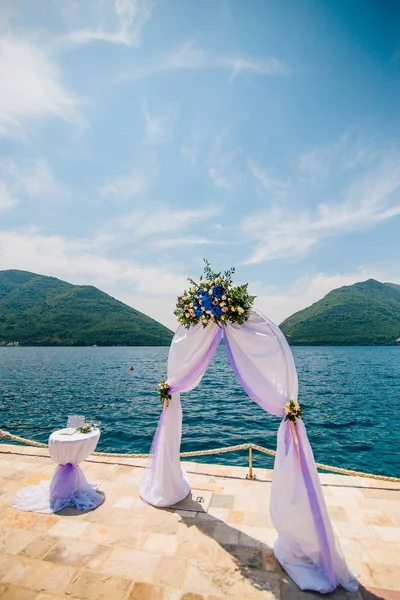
(366, 313)
(39, 310)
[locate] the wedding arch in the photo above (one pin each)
(262, 361)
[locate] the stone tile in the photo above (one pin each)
(78, 553)
(125, 502)
(369, 517)
(222, 501)
(354, 549)
(210, 579)
(93, 586)
(43, 523)
(68, 528)
(146, 591)
(257, 584)
(99, 534)
(236, 516)
(386, 576)
(196, 546)
(161, 544)
(250, 536)
(337, 513)
(372, 593)
(342, 491)
(388, 534)
(18, 519)
(12, 592)
(39, 546)
(243, 556)
(356, 531)
(186, 514)
(42, 576)
(224, 534)
(12, 541)
(131, 564)
(382, 552)
(171, 570)
(196, 501)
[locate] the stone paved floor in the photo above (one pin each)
(127, 550)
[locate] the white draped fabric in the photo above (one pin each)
(263, 364)
(192, 350)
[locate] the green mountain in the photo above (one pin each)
(366, 313)
(39, 310)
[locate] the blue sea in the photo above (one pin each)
(351, 397)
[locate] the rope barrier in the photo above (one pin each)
(247, 446)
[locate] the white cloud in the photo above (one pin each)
(280, 304)
(241, 65)
(125, 187)
(186, 241)
(218, 178)
(371, 196)
(269, 182)
(7, 200)
(190, 56)
(31, 178)
(162, 220)
(124, 24)
(159, 128)
(30, 87)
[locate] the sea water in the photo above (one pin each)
(350, 395)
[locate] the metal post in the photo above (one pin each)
(251, 462)
(250, 474)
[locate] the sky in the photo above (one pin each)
(138, 137)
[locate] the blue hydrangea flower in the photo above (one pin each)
(206, 301)
(218, 291)
(216, 311)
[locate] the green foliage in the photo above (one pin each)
(45, 311)
(214, 299)
(366, 313)
(164, 391)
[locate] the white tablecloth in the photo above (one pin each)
(69, 486)
(73, 448)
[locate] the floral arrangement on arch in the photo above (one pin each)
(214, 300)
(292, 410)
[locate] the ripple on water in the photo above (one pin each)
(350, 396)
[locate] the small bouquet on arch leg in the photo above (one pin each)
(292, 411)
(164, 391)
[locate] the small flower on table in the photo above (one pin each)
(85, 427)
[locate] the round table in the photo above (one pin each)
(69, 486)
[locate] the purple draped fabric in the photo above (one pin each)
(69, 487)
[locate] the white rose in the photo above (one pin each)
(217, 279)
(224, 297)
(191, 305)
(187, 315)
(240, 310)
(193, 289)
(233, 308)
